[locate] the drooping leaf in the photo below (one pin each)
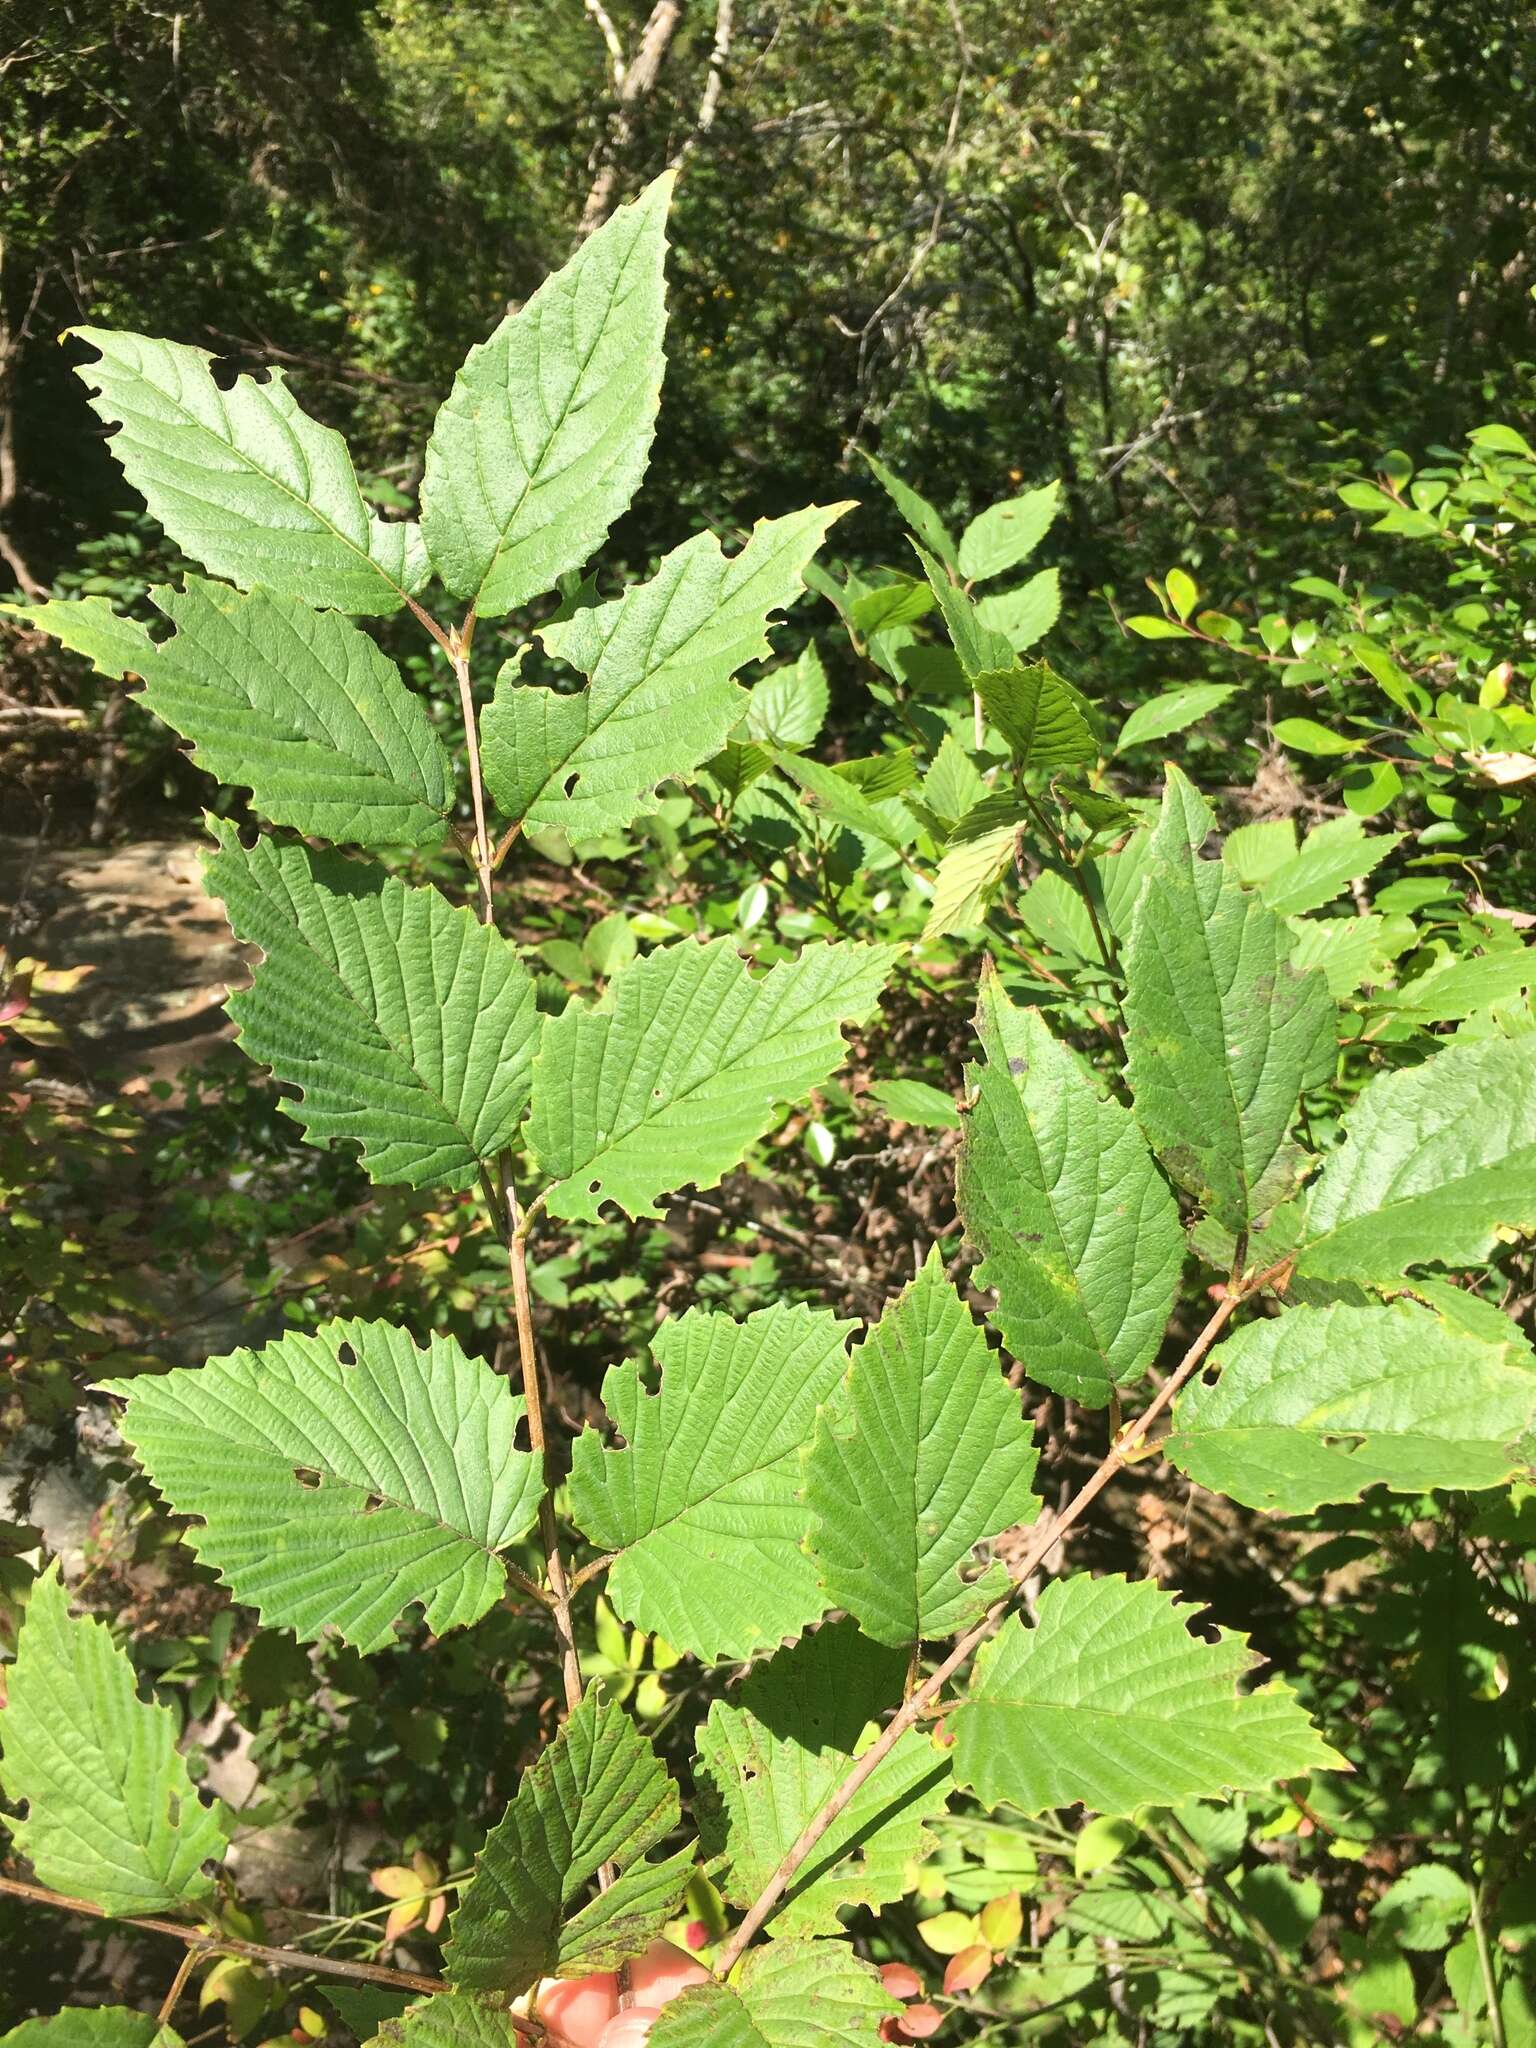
(1173, 711)
(900, 602)
(1045, 721)
(915, 509)
(703, 1500)
(409, 1027)
(770, 1758)
(787, 707)
(678, 1068)
(598, 1794)
(1077, 1229)
(544, 437)
(786, 1994)
(1025, 615)
(113, 1816)
(1333, 855)
(661, 696)
(880, 824)
(1224, 1033)
(92, 2026)
(298, 706)
(1320, 1403)
(925, 1455)
(443, 2021)
(341, 1476)
(1006, 534)
(244, 481)
(1436, 1159)
(1110, 1701)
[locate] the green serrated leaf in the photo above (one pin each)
(113, 1816)
(598, 1794)
(114, 646)
(703, 1498)
(1436, 1160)
(1045, 721)
(770, 1759)
(1078, 1231)
(244, 481)
(878, 824)
(667, 1080)
(977, 646)
(340, 1477)
(661, 697)
(92, 2026)
(925, 1455)
(953, 783)
(787, 707)
(545, 435)
(297, 706)
(445, 2021)
(973, 865)
(1006, 534)
(1320, 1403)
(409, 1027)
(787, 1994)
(1223, 1033)
(1025, 615)
(1110, 1701)
(1332, 856)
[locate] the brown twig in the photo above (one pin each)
(202, 1942)
(918, 1703)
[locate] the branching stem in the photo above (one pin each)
(923, 1698)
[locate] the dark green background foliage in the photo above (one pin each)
(1250, 283)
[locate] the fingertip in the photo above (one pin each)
(661, 1973)
(627, 2029)
(577, 2009)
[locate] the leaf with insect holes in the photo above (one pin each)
(667, 1079)
(786, 1994)
(298, 706)
(341, 1477)
(113, 1816)
(1223, 1033)
(1078, 1231)
(702, 1498)
(1318, 1404)
(661, 696)
(597, 1795)
(544, 438)
(925, 1455)
(1110, 1702)
(1437, 1160)
(1006, 534)
(244, 481)
(409, 1027)
(770, 1757)
(92, 2026)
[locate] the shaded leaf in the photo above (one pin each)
(598, 1794)
(770, 1758)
